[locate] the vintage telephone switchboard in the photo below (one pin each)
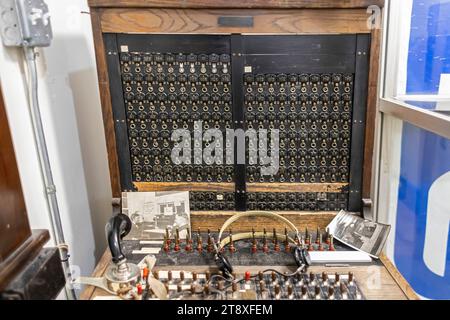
(169, 73)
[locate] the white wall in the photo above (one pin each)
(71, 113)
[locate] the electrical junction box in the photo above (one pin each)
(25, 23)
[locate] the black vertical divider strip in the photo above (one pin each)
(358, 121)
(119, 111)
(237, 73)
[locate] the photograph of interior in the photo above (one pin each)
(265, 150)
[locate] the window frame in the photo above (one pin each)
(392, 97)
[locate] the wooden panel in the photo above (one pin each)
(301, 219)
(296, 187)
(14, 227)
(237, 3)
(372, 100)
(105, 96)
(206, 21)
(185, 186)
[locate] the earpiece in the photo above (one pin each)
(301, 256)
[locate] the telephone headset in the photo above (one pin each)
(120, 225)
(300, 253)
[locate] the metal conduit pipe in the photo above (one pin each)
(46, 170)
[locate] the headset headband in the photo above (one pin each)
(246, 235)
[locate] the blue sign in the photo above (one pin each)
(425, 159)
(421, 249)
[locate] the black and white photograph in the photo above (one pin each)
(151, 213)
(358, 233)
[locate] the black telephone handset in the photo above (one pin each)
(117, 228)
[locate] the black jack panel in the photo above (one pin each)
(297, 201)
(164, 91)
(313, 113)
(212, 201)
(312, 89)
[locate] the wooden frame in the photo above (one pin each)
(201, 16)
(18, 243)
(14, 226)
(270, 17)
(250, 4)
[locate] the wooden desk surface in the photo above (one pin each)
(377, 282)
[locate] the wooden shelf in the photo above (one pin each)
(301, 219)
(251, 187)
(296, 187)
(185, 186)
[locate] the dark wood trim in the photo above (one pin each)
(18, 244)
(105, 97)
(25, 253)
(250, 4)
(14, 226)
(372, 100)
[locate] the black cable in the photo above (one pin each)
(219, 276)
(300, 269)
(223, 291)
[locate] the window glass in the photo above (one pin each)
(428, 66)
(421, 247)
(414, 175)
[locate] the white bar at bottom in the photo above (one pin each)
(339, 256)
